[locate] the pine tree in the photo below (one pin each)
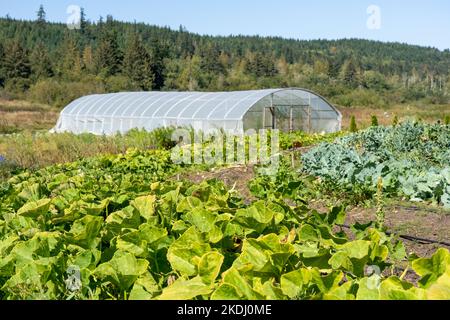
(353, 127)
(41, 65)
(260, 65)
(70, 64)
(190, 77)
(108, 57)
(137, 64)
(41, 15)
(349, 73)
(158, 53)
(210, 59)
(83, 22)
(15, 62)
(2, 57)
(88, 60)
(374, 121)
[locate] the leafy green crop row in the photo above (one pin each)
(117, 228)
(413, 160)
(299, 139)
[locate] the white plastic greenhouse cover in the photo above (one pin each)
(120, 112)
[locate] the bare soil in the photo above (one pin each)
(408, 219)
(236, 177)
(402, 218)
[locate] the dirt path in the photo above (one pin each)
(409, 219)
(236, 177)
(402, 218)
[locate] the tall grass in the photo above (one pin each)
(34, 151)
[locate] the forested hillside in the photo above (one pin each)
(49, 63)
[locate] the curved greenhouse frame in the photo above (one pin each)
(283, 109)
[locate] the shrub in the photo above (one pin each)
(447, 120)
(374, 121)
(395, 121)
(17, 86)
(59, 94)
(353, 127)
(48, 91)
(119, 83)
(361, 98)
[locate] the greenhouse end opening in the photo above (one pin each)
(290, 109)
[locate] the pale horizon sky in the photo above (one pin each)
(424, 23)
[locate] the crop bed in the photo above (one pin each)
(116, 227)
(412, 160)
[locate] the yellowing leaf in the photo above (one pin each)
(34, 209)
(145, 206)
(209, 266)
(183, 289)
(184, 252)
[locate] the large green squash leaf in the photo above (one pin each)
(84, 231)
(185, 253)
(183, 289)
(209, 266)
(122, 270)
(145, 206)
(430, 269)
(34, 209)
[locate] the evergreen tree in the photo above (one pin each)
(158, 55)
(41, 65)
(83, 22)
(108, 57)
(349, 73)
(137, 64)
(15, 62)
(70, 64)
(41, 15)
(210, 60)
(190, 76)
(260, 65)
(2, 72)
(374, 121)
(353, 127)
(88, 60)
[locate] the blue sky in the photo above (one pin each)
(425, 23)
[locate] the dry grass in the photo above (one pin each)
(17, 116)
(428, 113)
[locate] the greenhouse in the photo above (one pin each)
(284, 109)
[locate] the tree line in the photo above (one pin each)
(49, 63)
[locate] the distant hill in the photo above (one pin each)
(41, 61)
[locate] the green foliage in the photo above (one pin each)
(131, 233)
(374, 121)
(374, 80)
(41, 15)
(353, 127)
(108, 58)
(16, 64)
(411, 158)
(41, 65)
(395, 121)
(348, 72)
(298, 139)
(52, 92)
(35, 151)
(447, 120)
(137, 64)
